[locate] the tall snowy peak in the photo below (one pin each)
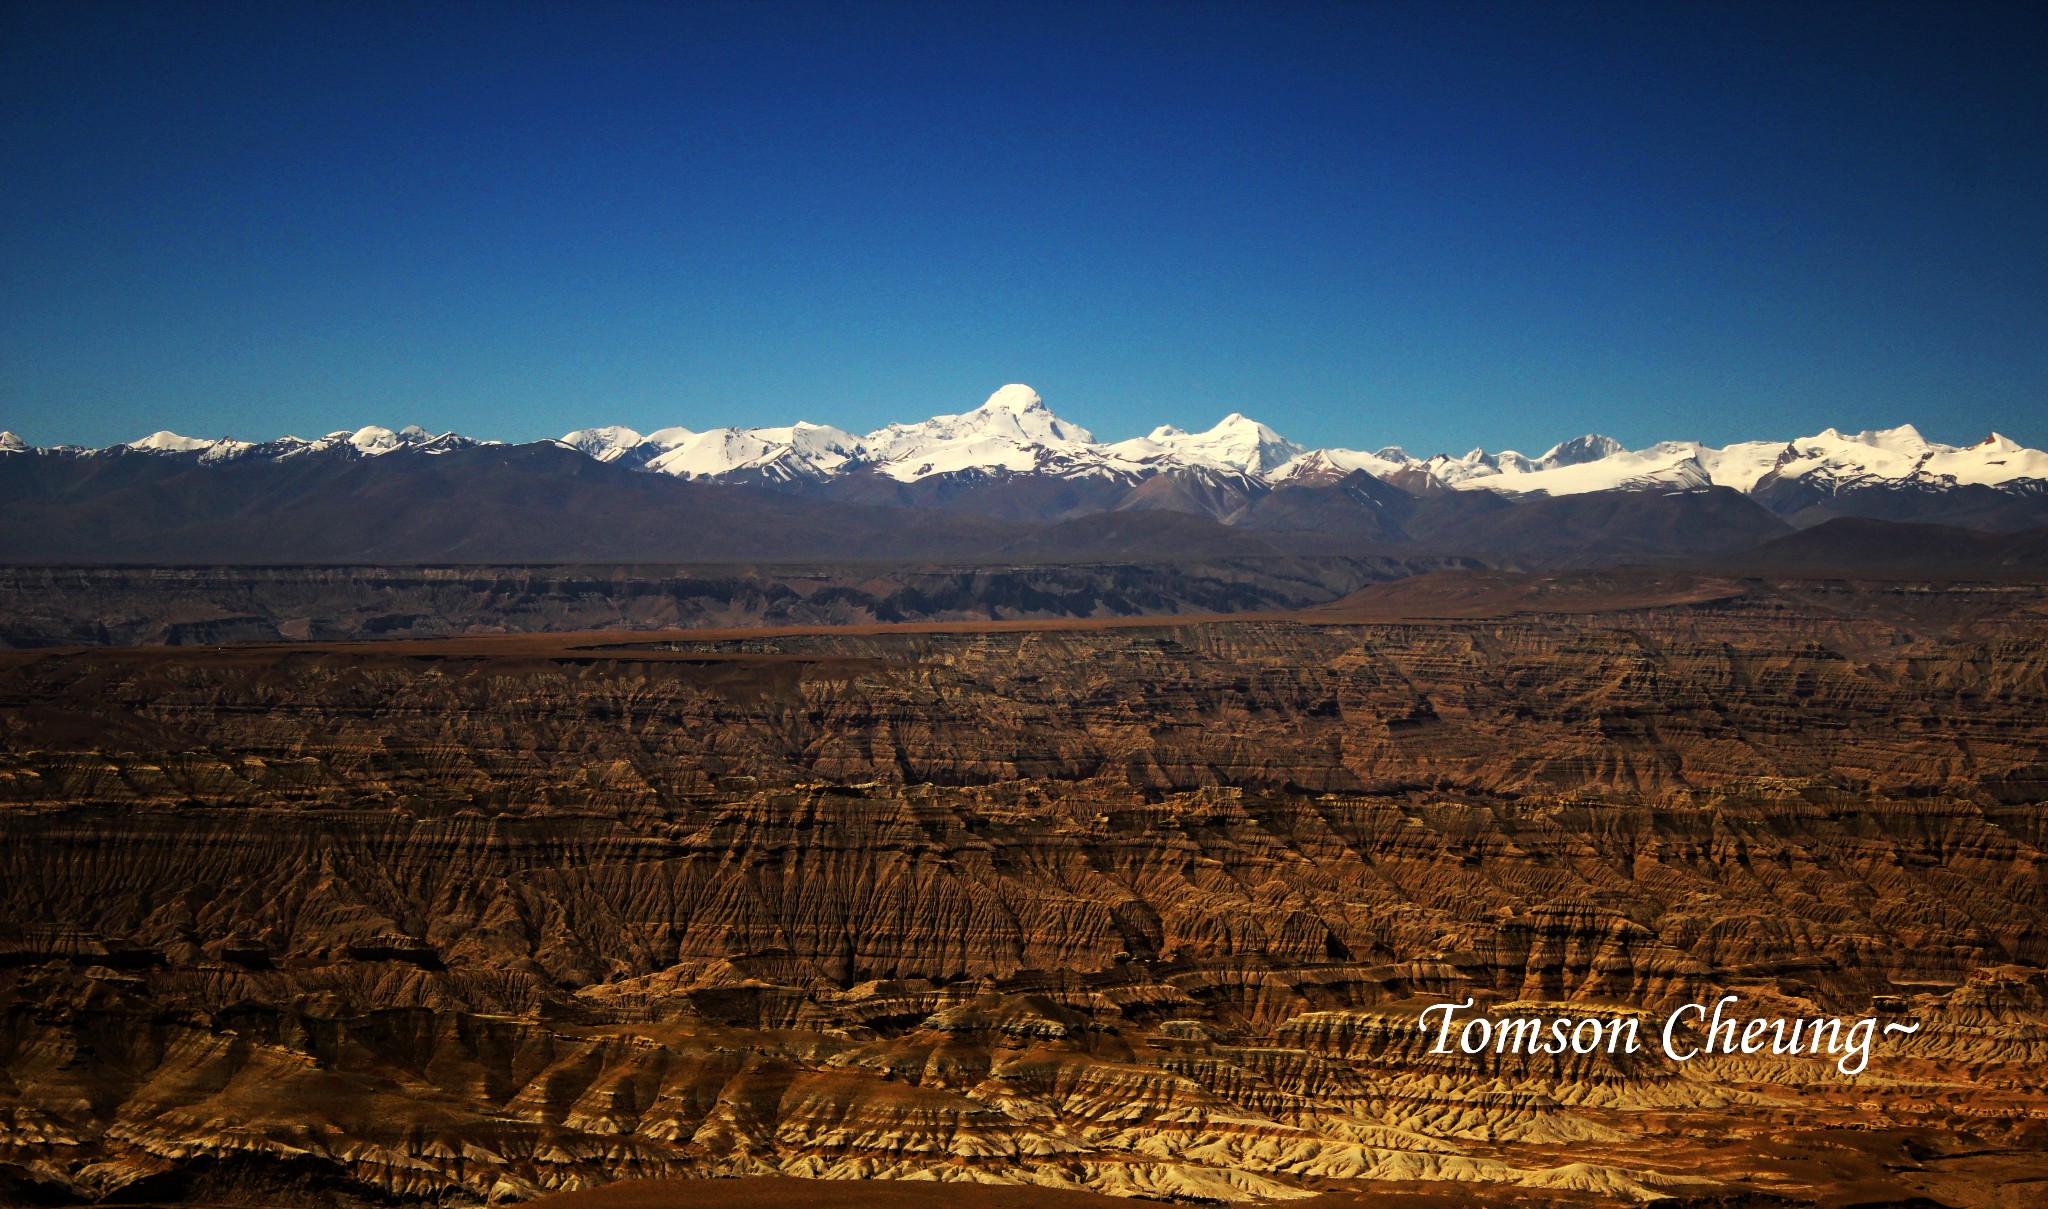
(1013, 432)
(1014, 414)
(1829, 461)
(798, 451)
(165, 441)
(1890, 453)
(369, 441)
(1832, 461)
(607, 444)
(1318, 466)
(617, 443)
(1579, 450)
(1992, 461)
(373, 440)
(1589, 463)
(1739, 465)
(1476, 464)
(1237, 443)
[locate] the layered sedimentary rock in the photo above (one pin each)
(1148, 909)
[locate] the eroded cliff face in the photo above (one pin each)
(1144, 909)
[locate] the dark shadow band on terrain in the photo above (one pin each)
(145, 605)
(42, 606)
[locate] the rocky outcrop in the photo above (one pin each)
(1145, 909)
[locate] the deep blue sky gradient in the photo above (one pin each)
(1437, 225)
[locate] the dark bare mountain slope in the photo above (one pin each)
(1865, 546)
(536, 502)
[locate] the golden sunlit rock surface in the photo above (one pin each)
(1144, 909)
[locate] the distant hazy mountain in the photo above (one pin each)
(1010, 460)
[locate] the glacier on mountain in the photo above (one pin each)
(1237, 443)
(1013, 433)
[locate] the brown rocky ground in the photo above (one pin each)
(1144, 909)
(775, 1193)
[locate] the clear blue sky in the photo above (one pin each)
(1437, 225)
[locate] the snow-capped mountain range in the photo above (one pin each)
(1013, 434)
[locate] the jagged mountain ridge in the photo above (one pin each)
(1013, 457)
(1015, 431)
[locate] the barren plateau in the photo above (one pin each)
(1145, 908)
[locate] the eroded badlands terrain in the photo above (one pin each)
(1144, 908)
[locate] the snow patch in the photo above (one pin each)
(606, 444)
(1237, 443)
(166, 441)
(1014, 432)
